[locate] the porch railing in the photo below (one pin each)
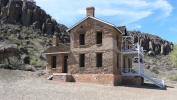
(130, 70)
(131, 47)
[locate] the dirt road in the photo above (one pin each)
(19, 85)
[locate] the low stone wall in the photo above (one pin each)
(132, 80)
(62, 77)
(105, 79)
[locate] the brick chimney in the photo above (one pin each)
(55, 41)
(90, 11)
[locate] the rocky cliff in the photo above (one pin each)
(151, 43)
(26, 13)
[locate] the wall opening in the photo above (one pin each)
(117, 61)
(99, 59)
(82, 60)
(82, 39)
(53, 61)
(117, 40)
(99, 37)
(65, 64)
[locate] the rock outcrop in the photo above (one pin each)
(27, 14)
(152, 43)
(8, 51)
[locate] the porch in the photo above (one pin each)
(132, 61)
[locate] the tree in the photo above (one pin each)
(173, 55)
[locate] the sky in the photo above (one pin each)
(157, 17)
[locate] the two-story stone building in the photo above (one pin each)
(96, 53)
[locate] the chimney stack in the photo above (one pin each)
(55, 41)
(90, 11)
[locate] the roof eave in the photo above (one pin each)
(95, 19)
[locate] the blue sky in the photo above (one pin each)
(157, 17)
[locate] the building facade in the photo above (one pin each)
(99, 52)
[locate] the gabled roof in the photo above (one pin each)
(122, 28)
(94, 19)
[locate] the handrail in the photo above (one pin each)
(148, 75)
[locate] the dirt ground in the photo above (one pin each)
(21, 85)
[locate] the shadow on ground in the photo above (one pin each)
(149, 86)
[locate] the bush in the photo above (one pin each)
(172, 77)
(12, 62)
(36, 61)
(173, 56)
(39, 63)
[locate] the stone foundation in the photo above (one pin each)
(62, 77)
(105, 79)
(132, 80)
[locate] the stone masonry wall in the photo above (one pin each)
(90, 27)
(59, 64)
(132, 80)
(106, 79)
(90, 63)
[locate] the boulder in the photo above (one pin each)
(26, 59)
(3, 66)
(8, 51)
(151, 53)
(154, 70)
(147, 66)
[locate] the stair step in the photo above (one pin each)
(50, 77)
(156, 81)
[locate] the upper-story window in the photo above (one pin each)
(82, 39)
(99, 38)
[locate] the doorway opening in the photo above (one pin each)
(65, 64)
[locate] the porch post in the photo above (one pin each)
(121, 63)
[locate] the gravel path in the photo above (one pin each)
(19, 85)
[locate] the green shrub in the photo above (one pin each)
(12, 62)
(172, 77)
(173, 56)
(37, 62)
(13, 41)
(42, 43)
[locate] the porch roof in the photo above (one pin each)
(62, 48)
